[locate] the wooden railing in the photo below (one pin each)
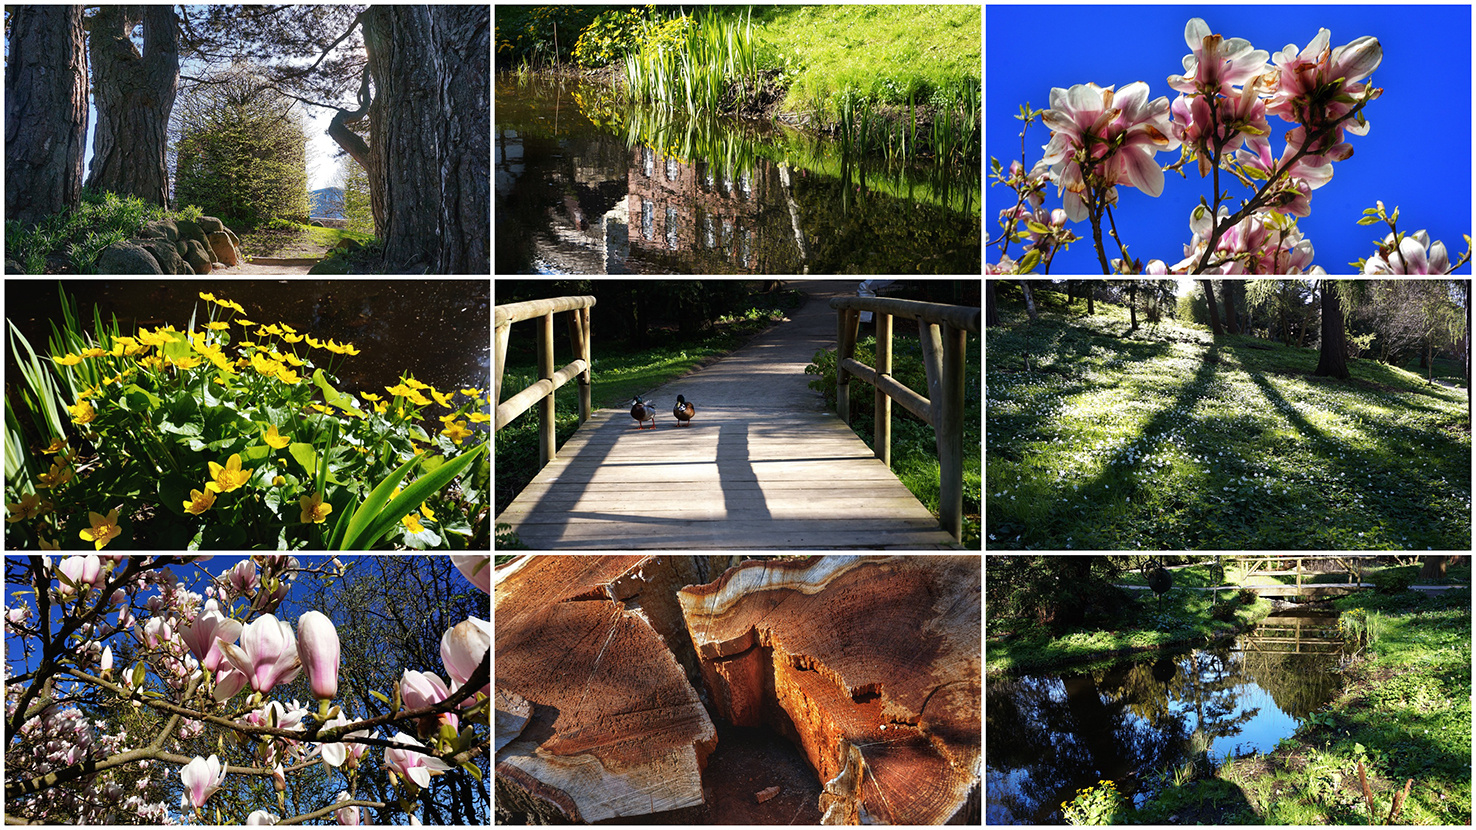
(943, 330)
(542, 391)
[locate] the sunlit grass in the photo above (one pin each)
(1170, 439)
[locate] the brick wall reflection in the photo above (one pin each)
(684, 207)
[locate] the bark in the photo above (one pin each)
(991, 305)
(1227, 289)
(870, 664)
(1091, 301)
(134, 95)
(1029, 300)
(1434, 566)
(1214, 311)
(1334, 360)
(1133, 305)
(429, 135)
(45, 112)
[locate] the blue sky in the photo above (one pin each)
(1425, 108)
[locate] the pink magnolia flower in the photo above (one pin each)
(228, 682)
(412, 764)
(337, 753)
(81, 570)
(267, 654)
(1203, 123)
(346, 816)
(107, 659)
(207, 632)
(476, 567)
(157, 631)
(1262, 243)
(1318, 85)
(1112, 136)
(421, 689)
(1414, 255)
(261, 817)
(242, 578)
(1215, 63)
(464, 647)
(317, 648)
(201, 779)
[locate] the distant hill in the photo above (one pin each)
(326, 202)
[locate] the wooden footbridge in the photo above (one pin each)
(762, 465)
(1304, 568)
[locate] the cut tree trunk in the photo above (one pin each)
(596, 716)
(870, 664)
(45, 112)
(134, 94)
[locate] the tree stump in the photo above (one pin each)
(596, 718)
(870, 664)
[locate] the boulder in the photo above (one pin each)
(235, 240)
(349, 244)
(196, 255)
(210, 224)
(127, 257)
(160, 228)
(13, 267)
(332, 265)
(191, 230)
(224, 249)
(165, 253)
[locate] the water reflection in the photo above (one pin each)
(1052, 734)
(586, 185)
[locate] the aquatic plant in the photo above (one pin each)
(233, 434)
(1101, 804)
(692, 63)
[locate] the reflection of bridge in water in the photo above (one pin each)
(1294, 634)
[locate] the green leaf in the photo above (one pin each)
(1028, 262)
(1036, 227)
(409, 499)
(335, 397)
(1255, 173)
(1369, 220)
(359, 522)
(305, 455)
(382, 697)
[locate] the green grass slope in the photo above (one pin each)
(1172, 439)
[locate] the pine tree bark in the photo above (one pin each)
(429, 135)
(134, 95)
(1334, 359)
(1209, 294)
(45, 112)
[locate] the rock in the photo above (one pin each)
(210, 224)
(348, 244)
(167, 255)
(195, 254)
(332, 265)
(764, 795)
(13, 267)
(127, 258)
(161, 228)
(191, 230)
(235, 240)
(224, 249)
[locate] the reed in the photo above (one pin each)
(694, 71)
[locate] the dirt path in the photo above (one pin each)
(247, 268)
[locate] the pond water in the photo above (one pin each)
(1049, 735)
(587, 185)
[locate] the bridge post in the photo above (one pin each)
(580, 339)
(845, 347)
(547, 446)
(950, 432)
(883, 427)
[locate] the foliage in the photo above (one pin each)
(81, 234)
(1101, 804)
(690, 63)
(539, 35)
(356, 205)
(242, 153)
(1060, 590)
(609, 38)
(161, 420)
(1393, 580)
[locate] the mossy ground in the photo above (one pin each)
(1098, 438)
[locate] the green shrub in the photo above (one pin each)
(1101, 804)
(609, 38)
(1393, 580)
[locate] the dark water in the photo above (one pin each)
(585, 185)
(439, 330)
(1050, 735)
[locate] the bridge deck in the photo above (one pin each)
(736, 478)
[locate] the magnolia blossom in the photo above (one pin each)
(107, 659)
(1318, 85)
(476, 567)
(228, 682)
(80, 570)
(317, 648)
(421, 689)
(1215, 63)
(347, 816)
(205, 635)
(157, 631)
(201, 779)
(1414, 255)
(261, 817)
(1110, 136)
(463, 648)
(242, 578)
(267, 654)
(1262, 243)
(337, 753)
(409, 762)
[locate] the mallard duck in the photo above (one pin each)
(642, 412)
(683, 411)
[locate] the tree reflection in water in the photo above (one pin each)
(1050, 735)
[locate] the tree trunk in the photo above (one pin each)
(1029, 300)
(1133, 305)
(45, 112)
(134, 95)
(1334, 360)
(991, 305)
(429, 129)
(1232, 323)
(1091, 302)
(1434, 566)
(1209, 294)
(870, 664)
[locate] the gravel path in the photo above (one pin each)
(247, 268)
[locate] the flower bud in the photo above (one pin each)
(317, 647)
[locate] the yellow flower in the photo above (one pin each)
(381, 407)
(287, 376)
(457, 432)
(321, 408)
(369, 396)
(293, 359)
(233, 306)
(415, 384)
(47, 545)
(29, 507)
(472, 393)
(243, 321)
(82, 413)
(186, 362)
(292, 338)
(199, 502)
(275, 440)
(56, 446)
(287, 329)
(158, 337)
(399, 390)
(412, 522)
(278, 481)
(314, 511)
(88, 392)
(229, 477)
(104, 528)
(69, 359)
(479, 417)
(416, 398)
(60, 474)
(312, 341)
(218, 325)
(443, 400)
(94, 352)
(209, 298)
(427, 512)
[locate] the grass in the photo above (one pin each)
(78, 236)
(290, 240)
(1173, 439)
(1405, 713)
(689, 63)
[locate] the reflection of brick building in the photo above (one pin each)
(676, 206)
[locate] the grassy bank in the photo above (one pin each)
(1169, 438)
(69, 242)
(287, 240)
(1405, 713)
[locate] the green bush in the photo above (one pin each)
(1393, 580)
(609, 38)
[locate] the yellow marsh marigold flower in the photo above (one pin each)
(104, 528)
(59, 474)
(82, 413)
(68, 359)
(287, 376)
(457, 432)
(313, 341)
(278, 481)
(443, 400)
(29, 507)
(472, 393)
(243, 321)
(369, 396)
(199, 502)
(479, 417)
(56, 446)
(47, 545)
(287, 329)
(275, 440)
(412, 522)
(218, 325)
(314, 511)
(94, 352)
(292, 338)
(187, 362)
(229, 477)
(426, 511)
(210, 298)
(153, 361)
(321, 408)
(415, 384)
